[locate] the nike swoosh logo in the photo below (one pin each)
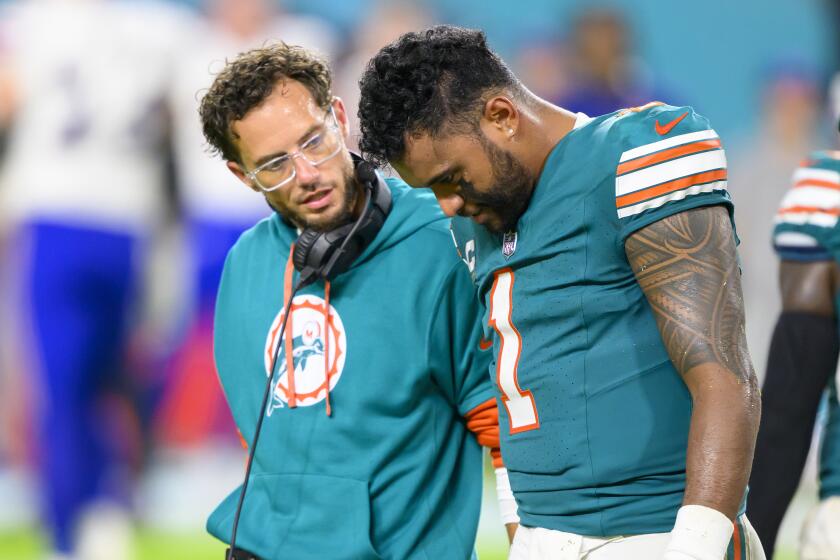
(485, 344)
(662, 130)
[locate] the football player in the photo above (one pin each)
(82, 187)
(803, 361)
(604, 252)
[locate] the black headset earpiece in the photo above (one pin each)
(326, 254)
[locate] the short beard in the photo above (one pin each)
(511, 191)
(344, 216)
(348, 205)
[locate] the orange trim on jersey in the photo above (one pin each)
(736, 542)
(817, 183)
(528, 394)
(665, 155)
(810, 210)
(242, 440)
(640, 108)
(483, 421)
(669, 187)
(289, 343)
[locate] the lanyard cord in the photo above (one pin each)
(253, 447)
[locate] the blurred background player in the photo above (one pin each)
(790, 107)
(604, 74)
(803, 362)
(82, 188)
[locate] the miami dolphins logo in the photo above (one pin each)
(318, 347)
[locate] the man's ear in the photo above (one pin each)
(500, 118)
(236, 169)
(341, 117)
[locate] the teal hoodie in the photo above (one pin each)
(392, 472)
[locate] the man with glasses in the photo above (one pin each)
(365, 450)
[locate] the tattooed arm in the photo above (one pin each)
(687, 267)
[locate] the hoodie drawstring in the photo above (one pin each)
(289, 346)
(327, 342)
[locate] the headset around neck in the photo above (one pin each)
(326, 254)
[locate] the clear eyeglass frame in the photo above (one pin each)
(330, 129)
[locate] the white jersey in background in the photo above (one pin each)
(91, 77)
(208, 189)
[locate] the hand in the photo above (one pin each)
(511, 530)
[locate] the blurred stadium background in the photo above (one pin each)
(760, 71)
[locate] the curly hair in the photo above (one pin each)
(248, 80)
(430, 81)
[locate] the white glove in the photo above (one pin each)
(700, 533)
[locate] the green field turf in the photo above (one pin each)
(154, 545)
(151, 545)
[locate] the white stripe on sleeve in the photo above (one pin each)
(668, 143)
(676, 195)
(669, 170)
(806, 173)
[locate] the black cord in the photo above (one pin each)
(288, 311)
(337, 255)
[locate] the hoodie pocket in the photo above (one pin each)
(301, 516)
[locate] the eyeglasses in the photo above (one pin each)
(315, 150)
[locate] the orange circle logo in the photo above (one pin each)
(319, 347)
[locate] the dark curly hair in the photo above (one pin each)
(430, 81)
(248, 80)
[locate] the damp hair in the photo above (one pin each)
(433, 81)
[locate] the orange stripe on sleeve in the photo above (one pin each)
(669, 187)
(810, 210)
(817, 183)
(665, 155)
(483, 421)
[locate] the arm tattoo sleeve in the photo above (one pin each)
(687, 266)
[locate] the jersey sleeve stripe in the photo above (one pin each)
(816, 183)
(818, 197)
(809, 210)
(668, 171)
(802, 215)
(794, 245)
(795, 239)
(810, 174)
(671, 186)
(675, 195)
(665, 155)
(678, 140)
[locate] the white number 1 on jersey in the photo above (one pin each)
(520, 405)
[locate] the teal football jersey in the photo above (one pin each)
(806, 230)
(594, 417)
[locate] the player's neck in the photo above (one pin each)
(544, 126)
